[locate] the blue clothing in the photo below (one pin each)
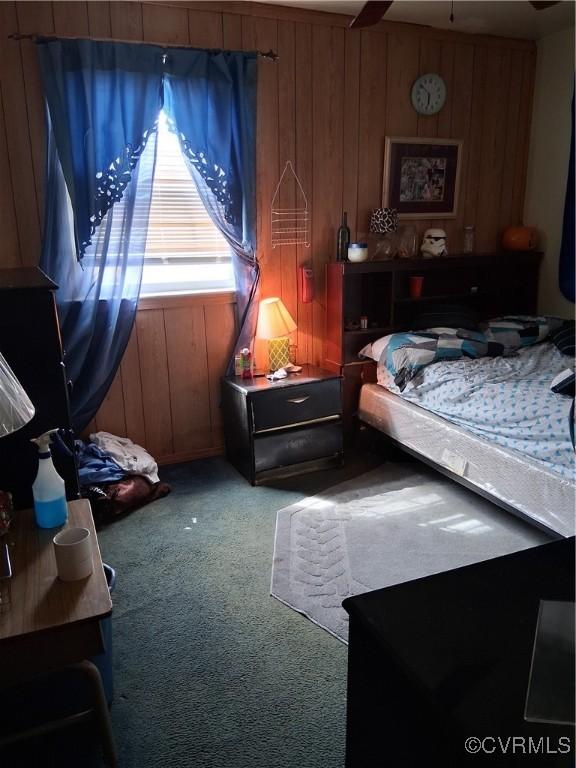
(95, 467)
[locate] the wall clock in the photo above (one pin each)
(428, 94)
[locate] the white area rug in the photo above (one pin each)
(394, 524)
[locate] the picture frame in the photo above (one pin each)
(421, 177)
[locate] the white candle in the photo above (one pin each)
(357, 252)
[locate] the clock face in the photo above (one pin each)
(428, 94)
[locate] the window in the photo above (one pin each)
(185, 251)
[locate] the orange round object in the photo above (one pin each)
(520, 238)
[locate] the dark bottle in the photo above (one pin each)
(343, 239)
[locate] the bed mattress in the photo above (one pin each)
(506, 400)
(521, 482)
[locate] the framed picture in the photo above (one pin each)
(422, 177)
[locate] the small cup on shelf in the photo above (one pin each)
(415, 283)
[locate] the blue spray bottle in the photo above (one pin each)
(48, 488)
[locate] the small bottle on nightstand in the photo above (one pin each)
(246, 363)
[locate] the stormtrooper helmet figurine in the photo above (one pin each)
(434, 243)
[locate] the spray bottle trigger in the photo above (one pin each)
(44, 440)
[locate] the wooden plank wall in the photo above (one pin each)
(327, 105)
(166, 393)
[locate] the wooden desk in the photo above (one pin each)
(49, 623)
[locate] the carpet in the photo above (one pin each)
(209, 671)
(396, 523)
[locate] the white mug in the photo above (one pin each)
(73, 550)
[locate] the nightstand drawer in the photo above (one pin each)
(295, 446)
(296, 404)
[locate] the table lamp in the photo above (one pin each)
(16, 410)
(275, 324)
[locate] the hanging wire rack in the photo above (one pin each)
(290, 225)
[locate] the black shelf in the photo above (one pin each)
(441, 297)
(360, 331)
(452, 261)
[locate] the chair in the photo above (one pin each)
(55, 700)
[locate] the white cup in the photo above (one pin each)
(73, 550)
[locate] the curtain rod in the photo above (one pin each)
(272, 55)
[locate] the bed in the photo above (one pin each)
(490, 422)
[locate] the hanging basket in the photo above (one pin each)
(290, 226)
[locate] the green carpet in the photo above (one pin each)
(210, 671)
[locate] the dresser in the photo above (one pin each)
(284, 427)
(438, 667)
(30, 342)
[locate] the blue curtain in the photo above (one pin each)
(210, 102)
(567, 249)
(97, 297)
(103, 101)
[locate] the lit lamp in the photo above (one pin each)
(275, 324)
(16, 410)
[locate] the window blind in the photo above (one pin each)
(180, 230)
(185, 251)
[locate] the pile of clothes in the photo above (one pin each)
(116, 474)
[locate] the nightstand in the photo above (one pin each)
(285, 427)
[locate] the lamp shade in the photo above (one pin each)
(16, 409)
(274, 320)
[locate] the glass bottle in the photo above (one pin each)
(343, 239)
(468, 239)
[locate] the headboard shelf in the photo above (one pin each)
(459, 297)
(491, 284)
(453, 260)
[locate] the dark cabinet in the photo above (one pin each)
(286, 427)
(30, 342)
(435, 661)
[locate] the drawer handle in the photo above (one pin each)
(298, 400)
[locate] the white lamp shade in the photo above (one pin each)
(16, 409)
(274, 320)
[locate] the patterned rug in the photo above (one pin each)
(394, 524)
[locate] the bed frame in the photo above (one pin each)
(376, 416)
(492, 284)
(467, 484)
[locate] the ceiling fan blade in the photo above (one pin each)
(370, 14)
(540, 6)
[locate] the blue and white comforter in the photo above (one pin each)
(408, 353)
(506, 400)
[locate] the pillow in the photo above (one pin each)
(563, 338)
(563, 383)
(375, 349)
(447, 316)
